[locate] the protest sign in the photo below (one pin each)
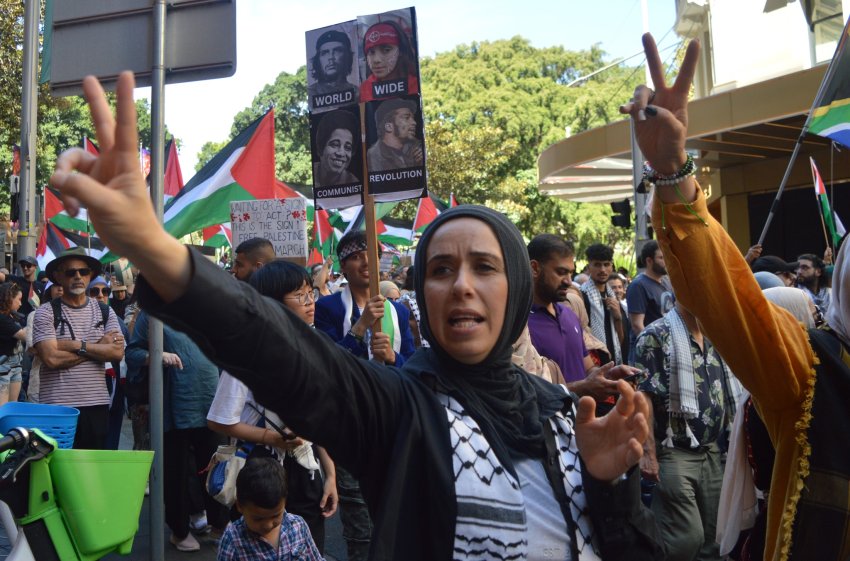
(281, 221)
(338, 164)
(333, 80)
(391, 163)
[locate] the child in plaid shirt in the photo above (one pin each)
(266, 532)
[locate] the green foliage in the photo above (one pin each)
(208, 152)
(62, 121)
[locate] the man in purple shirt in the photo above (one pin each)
(555, 329)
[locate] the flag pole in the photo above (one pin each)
(369, 220)
(830, 72)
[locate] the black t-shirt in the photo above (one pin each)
(38, 287)
(8, 327)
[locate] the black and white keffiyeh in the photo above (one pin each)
(597, 318)
(682, 398)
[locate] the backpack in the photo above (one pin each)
(60, 322)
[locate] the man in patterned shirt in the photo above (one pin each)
(265, 531)
(693, 395)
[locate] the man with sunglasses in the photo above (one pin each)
(74, 346)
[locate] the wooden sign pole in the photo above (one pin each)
(369, 220)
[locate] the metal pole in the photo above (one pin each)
(29, 101)
(830, 72)
(641, 230)
(775, 204)
(157, 502)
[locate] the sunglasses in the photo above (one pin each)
(26, 265)
(71, 273)
(96, 291)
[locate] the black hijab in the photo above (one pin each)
(509, 407)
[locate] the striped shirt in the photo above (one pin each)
(82, 385)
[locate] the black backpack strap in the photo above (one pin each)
(104, 312)
(59, 321)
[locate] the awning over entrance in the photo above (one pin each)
(742, 140)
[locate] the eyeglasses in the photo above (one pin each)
(26, 265)
(71, 273)
(303, 299)
(96, 291)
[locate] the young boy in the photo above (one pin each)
(266, 532)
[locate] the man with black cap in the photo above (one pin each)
(74, 345)
(31, 287)
(778, 266)
(330, 66)
(397, 145)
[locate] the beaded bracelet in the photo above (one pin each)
(652, 177)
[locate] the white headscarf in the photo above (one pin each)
(838, 314)
(794, 300)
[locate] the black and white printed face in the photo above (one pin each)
(404, 124)
(332, 56)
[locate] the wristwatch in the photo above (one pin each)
(82, 350)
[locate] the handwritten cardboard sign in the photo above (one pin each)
(281, 221)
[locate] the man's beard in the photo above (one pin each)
(550, 295)
(659, 270)
(809, 283)
(76, 291)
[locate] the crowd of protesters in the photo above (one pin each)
(506, 408)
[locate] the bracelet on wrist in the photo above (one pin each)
(651, 177)
(359, 338)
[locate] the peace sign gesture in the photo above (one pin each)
(661, 117)
(112, 188)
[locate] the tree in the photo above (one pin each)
(510, 100)
(62, 121)
(208, 152)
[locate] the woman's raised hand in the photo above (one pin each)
(661, 116)
(112, 188)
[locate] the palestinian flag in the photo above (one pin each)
(429, 208)
(354, 218)
(50, 244)
(90, 146)
(826, 212)
(54, 211)
(395, 232)
(316, 258)
(831, 116)
(218, 236)
(54, 240)
(324, 237)
(243, 170)
(173, 182)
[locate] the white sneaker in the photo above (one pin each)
(189, 543)
(198, 523)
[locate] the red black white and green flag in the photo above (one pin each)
(54, 240)
(243, 170)
(218, 236)
(429, 208)
(831, 221)
(831, 116)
